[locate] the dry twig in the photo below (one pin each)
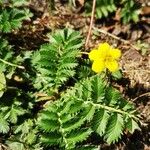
(145, 94)
(116, 37)
(91, 24)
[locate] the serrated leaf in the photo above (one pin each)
(12, 18)
(75, 137)
(114, 128)
(112, 96)
(49, 115)
(73, 124)
(117, 75)
(4, 126)
(131, 125)
(128, 106)
(100, 121)
(31, 137)
(58, 59)
(2, 83)
(25, 127)
(48, 125)
(99, 13)
(90, 112)
(18, 3)
(13, 113)
(15, 145)
(51, 139)
(135, 17)
(98, 87)
(104, 11)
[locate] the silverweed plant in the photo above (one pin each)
(91, 105)
(63, 98)
(129, 9)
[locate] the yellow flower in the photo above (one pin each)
(105, 57)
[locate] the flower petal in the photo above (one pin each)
(104, 49)
(98, 66)
(112, 66)
(115, 53)
(94, 55)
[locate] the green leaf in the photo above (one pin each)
(135, 17)
(51, 138)
(18, 3)
(98, 13)
(75, 137)
(73, 124)
(49, 115)
(130, 12)
(25, 127)
(13, 113)
(4, 126)
(12, 18)
(49, 125)
(127, 106)
(56, 61)
(90, 112)
(114, 128)
(117, 75)
(98, 87)
(112, 96)
(103, 7)
(2, 83)
(31, 137)
(104, 11)
(15, 145)
(84, 90)
(76, 111)
(100, 121)
(131, 125)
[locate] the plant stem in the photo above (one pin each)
(111, 109)
(62, 131)
(11, 64)
(86, 53)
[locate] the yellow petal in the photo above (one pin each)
(112, 66)
(94, 55)
(115, 53)
(104, 46)
(98, 66)
(104, 49)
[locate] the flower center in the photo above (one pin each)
(108, 58)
